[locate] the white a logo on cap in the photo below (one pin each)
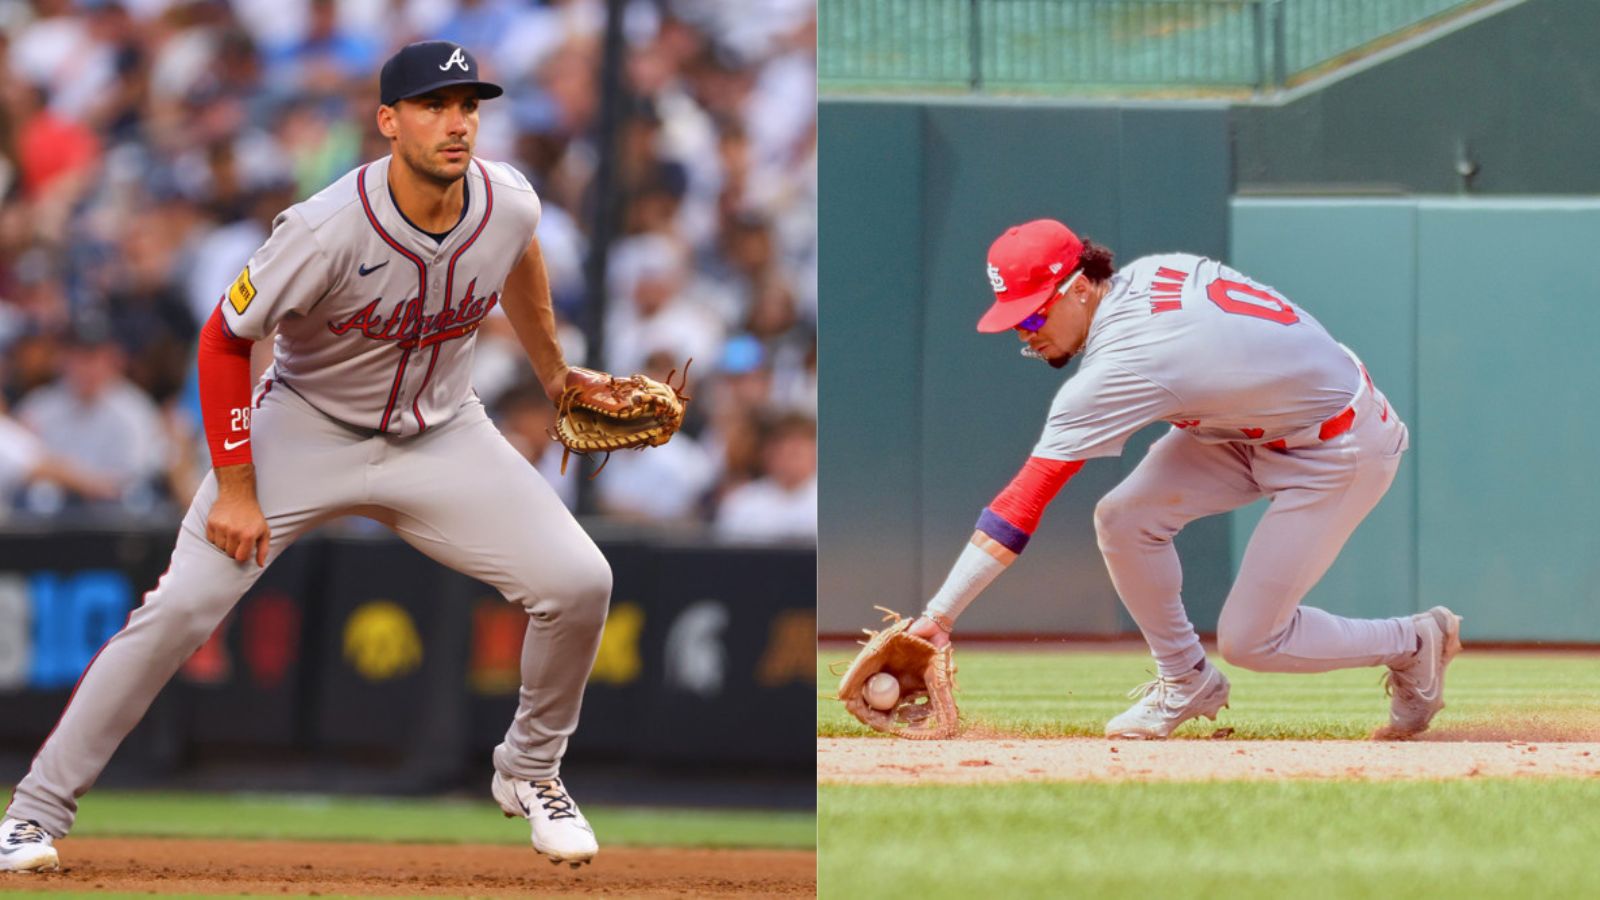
(458, 58)
(995, 281)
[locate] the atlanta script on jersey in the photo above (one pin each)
(375, 319)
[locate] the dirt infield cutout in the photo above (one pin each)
(995, 760)
(171, 866)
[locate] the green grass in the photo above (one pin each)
(317, 818)
(1239, 840)
(1048, 694)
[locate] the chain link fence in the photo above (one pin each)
(1053, 44)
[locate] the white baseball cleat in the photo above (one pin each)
(1166, 703)
(26, 847)
(560, 831)
(1416, 687)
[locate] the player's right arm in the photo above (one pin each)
(286, 276)
(1002, 532)
(1092, 416)
(235, 524)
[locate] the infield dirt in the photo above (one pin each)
(981, 760)
(168, 866)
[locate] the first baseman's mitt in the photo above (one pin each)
(604, 413)
(927, 706)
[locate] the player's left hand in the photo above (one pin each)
(926, 707)
(601, 412)
(557, 385)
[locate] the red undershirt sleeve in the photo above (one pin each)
(225, 392)
(1013, 515)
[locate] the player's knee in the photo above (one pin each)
(1118, 519)
(578, 595)
(592, 596)
(1244, 646)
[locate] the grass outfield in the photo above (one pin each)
(1070, 692)
(1240, 840)
(318, 818)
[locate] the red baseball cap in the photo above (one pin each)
(1025, 265)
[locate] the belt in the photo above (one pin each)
(1336, 425)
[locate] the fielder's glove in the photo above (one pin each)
(603, 413)
(927, 706)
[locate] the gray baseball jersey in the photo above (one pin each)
(376, 417)
(375, 319)
(1188, 340)
(1264, 403)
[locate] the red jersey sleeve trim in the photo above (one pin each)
(225, 392)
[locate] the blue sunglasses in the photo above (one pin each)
(1037, 320)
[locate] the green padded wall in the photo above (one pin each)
(869, 357)
(924, 419)
(1477, 318)
(1509, 297)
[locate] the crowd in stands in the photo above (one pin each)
(147, 145)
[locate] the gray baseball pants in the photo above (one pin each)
(457, 492)
(1319, 492)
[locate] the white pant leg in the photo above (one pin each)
(464, 497)
(303, 463)
(1178, 481)
(1319, 495)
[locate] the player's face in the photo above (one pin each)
(434, 133)
(1061, 326)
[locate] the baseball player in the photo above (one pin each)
(375, 287)
(1263, 403)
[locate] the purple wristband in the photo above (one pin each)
(1006, 534)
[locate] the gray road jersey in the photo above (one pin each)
(1188, 340)
(375, 320)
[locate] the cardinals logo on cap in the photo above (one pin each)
(995, 281)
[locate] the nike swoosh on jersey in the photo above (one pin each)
(368, 270)
(231, 445)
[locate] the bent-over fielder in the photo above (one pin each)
(1262, 403)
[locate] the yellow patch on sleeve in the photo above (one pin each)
(242, 292)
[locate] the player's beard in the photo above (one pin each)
(422, 163)
(1056, 362)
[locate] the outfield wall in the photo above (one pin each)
(1478, 318)
(923, 419)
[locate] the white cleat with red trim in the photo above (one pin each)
(560, 831)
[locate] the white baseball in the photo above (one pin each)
(882, 691)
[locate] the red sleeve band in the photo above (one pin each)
(225, 392)
(1024, 499)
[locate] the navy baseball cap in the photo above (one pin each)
(427, 66)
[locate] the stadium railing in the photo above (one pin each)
(1051, 44)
